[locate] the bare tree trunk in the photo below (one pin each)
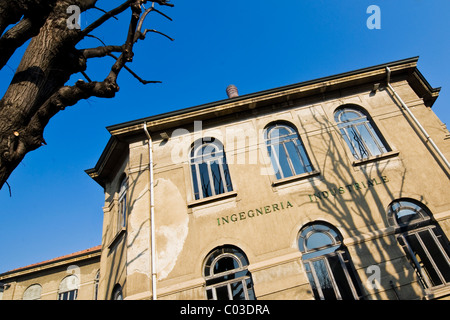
(38, 91)
(47, 64)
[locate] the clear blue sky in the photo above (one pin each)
(56, 209)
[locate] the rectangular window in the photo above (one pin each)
(429, 258)
(121, 223)
(205, 182)
(68, 295)
(240, 289)
(330, 277)
(122, 205)
(324, 280)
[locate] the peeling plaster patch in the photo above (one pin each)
(138, 258)
(138, 235)
(175, 235)
(171, 227)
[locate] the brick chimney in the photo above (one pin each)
(232, 91)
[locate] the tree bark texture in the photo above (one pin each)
(37, 91)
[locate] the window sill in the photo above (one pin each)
(383, 156)
(298, 177)
(437, 293)
(212, 199)
(117, 238)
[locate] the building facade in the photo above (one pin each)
(70, 277)
(335, 188)
(326, 189)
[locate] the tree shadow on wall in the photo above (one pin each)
(356, 198)
(118, 255)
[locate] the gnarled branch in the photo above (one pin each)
(15, 37)
(100, 51)
(106, 17)
(38, 89)
(133, 73)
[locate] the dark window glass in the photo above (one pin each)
(226, 275)
(205, 180)
(209, 169)
(358, 131)
(341, 278)
(286, 151)
(324, 280)
(117, 293)
(122, 216)
(423, 242)
(422, 259)
(68, 295)
(222, 293)
(326, 262)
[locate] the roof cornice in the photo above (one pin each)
(299, 90)
(324, 84)
(72, 258)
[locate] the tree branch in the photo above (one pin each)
(139, 34)
(100, 51)
(9, 187)
(127, 54)
(143, 34)
(34, 14)
(86, 76)
(163, 2)
(112, 13)
(106, 17)
(133, 73)
(70, 95)
(66, 96)
(12, 11)
(100, 9)
(15, 37)
(37, 91)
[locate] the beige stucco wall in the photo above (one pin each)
(49, 277)
(187, 230)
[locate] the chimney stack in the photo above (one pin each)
(232, 91)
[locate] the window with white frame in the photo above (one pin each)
(360, 133)
(286, 151)
(227, 276)
(122, 203)
(68, 288)
(327, 263)
(423, 241)
(96, 284)
(209, 169)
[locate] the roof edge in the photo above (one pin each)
(409, 65)
(47, 263)
(262, 93)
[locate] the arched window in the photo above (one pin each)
(327, 263)
(359, 132)
(227, 276)
(68, 288)
(122, 202)
(424, 242)
(286, 151)
(117, 293)
(33, 292)
(96, 284)
(210, 174)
